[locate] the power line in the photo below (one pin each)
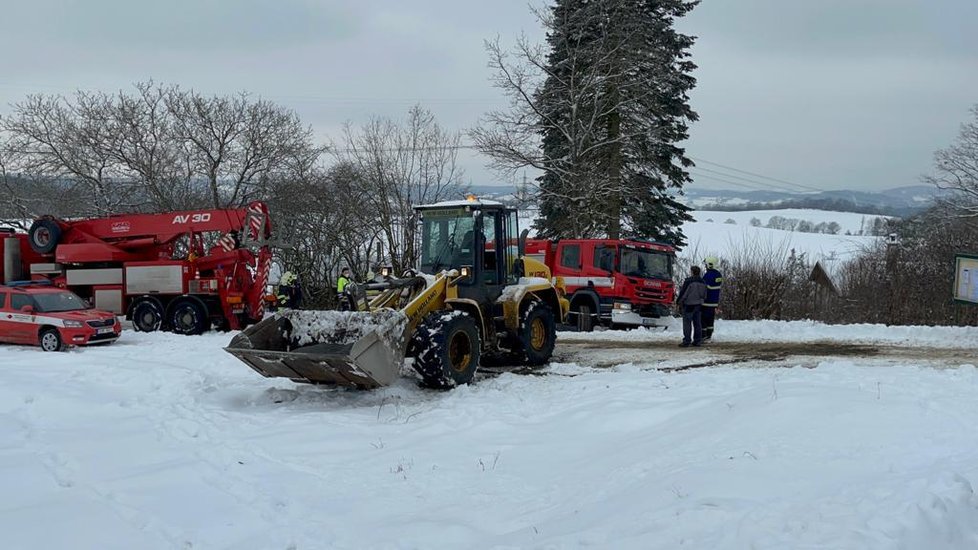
(808, 187)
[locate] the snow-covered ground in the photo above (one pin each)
(162, 441)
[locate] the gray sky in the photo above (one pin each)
(853, 94)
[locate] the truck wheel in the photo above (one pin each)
(44, 236)
(538, 333)
(147, 316)
(50, 340)
(447, 348)
(585, 321)
(188, 317)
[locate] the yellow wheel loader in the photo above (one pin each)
(474, 295)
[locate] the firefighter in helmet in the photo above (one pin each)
(714, 280)
(289, 292)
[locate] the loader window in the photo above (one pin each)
(490, 250)
(511, 252)
(447, 240)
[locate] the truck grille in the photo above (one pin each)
(99, 324)
(650, 294)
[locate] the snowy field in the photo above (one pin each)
(860, 437)
(725, 240)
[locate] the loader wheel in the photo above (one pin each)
(538, 333)
(147, 316)
(44, 236)
(448, 349)
(188, 317)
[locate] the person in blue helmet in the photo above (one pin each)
(714, 280)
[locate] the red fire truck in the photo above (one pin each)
(626, 283)
(180, 271)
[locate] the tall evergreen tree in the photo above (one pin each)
(608, 113)
(634, 162)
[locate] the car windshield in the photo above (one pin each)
(51, 302)
(647, 264)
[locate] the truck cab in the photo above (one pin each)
(612, 282)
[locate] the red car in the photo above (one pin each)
(53, 318)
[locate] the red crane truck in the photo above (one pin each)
(181, 271)
(626, 283)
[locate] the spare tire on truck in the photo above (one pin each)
(44, 235)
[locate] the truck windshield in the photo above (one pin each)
(447, 240)
(647, 264)
(59, 301)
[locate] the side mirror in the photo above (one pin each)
(28, 309)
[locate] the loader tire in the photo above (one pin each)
(447, 348)
(538, 334)
(44, 235)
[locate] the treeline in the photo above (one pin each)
(815, 203)
(161, 148)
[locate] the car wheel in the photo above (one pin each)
(50, 340)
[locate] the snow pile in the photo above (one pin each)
(345, 327)
(514, 293)
(801, 331)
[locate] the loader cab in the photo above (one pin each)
(479, 235)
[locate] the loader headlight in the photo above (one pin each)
(385, 272)
(466, 271)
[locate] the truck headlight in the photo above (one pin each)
(74, 324)
(623, 305)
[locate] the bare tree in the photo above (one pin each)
(159, 148)
(402, 164)
(956, 168)
(236, 144)
(68, 140)
(512, 138)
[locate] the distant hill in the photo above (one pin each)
(900, 201)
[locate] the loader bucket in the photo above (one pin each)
(357, 349)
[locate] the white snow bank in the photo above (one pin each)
(161, 441)
(802, 331)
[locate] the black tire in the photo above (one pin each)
(447, 349)
(44, 235)
(188, 317)
(585, 319)
(538, 333)
(147, 316)
(50, 340)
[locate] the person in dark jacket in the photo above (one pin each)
(714, 280)
(690, 302)
(289, 291)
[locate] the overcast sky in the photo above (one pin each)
(835, 94)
